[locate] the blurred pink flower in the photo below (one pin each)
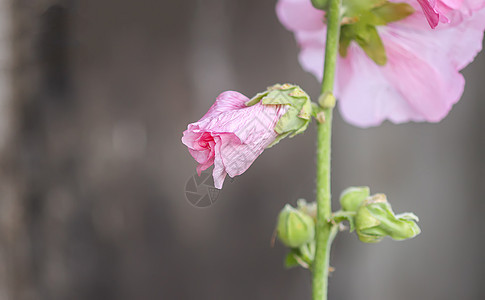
(232, 135)
(421, 79)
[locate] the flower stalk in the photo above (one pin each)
(325, 230)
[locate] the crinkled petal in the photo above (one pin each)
(219, 172)
(227, 101)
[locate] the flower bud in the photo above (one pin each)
(327, 100)
(375, 220)
(294, 228)
(352, 197)
(298, 115)
(309, 209)
(320, 4)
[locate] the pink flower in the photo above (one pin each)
(232, 135)
(421, 79)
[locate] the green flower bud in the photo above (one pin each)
(320, 4)
(299, 113)
(327, 100)
(375, 220)
(352, 197)
(294, 228)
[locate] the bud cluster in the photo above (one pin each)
(372, 216)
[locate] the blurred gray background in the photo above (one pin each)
(94, 98)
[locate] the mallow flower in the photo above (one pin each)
(236, 129)
(392, 65)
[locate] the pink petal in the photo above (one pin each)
(299, 15)
(312, 59)
(430, 12)
(452, 4)
(227, 101)
(366, 97)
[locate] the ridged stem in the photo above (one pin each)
(325, 230)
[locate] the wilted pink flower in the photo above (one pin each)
(421, 79)
(232, 135)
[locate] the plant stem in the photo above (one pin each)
(325, 231)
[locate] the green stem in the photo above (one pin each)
(325, 230)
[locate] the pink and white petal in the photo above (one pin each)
(422, 70)
(430, 12)
(246, 123)
(204, 166)
(238, 157)
(463, 41)
(426, 90)
(313, 38)
(428, 81)
(311, 58)
(226, 101)
(299, 15)
(200, 156)
(241, 135)
(452, 4)
(189, 138)
(219, 172)
(469, 6)
(367, 98)
(457, 43)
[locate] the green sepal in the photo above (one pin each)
(289, 122)
(369, 40)
(346, 37)
(257, 98)
(291, 260)
(362, 18)
(390, 12)
(316, 108)
(375, 220)
(307, 252)
(299, 108)
(278, 139)
(348, 216)
(358, 8)
(302, 256)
